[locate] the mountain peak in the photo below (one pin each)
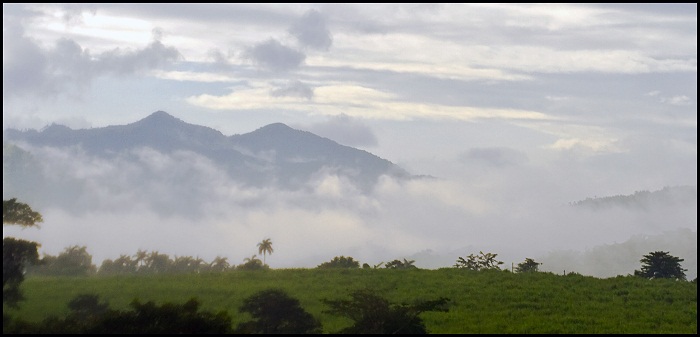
(161, 115)
(159, 119)
(275, 127)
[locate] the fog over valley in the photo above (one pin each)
(149, 194)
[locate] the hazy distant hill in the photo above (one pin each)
(272, 156)
(676, 195)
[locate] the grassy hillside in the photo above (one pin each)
(482, 302)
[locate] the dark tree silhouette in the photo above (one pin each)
(17, 213)
(479, 262)
(529, 265)
(90, 316)
(17, 254)
(661, 264)
(275, 312)
(373, 314)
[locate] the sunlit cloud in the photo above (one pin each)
(354, 100)
(192, 76)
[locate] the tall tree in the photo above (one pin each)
(264, 248)
(17, 254)
(661, 264)
(140, 258)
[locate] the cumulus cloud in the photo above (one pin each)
(66, 67)
(273, 55)
(345, 130)
(311, 31)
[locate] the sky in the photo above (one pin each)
(516, 108)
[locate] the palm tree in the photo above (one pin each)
(265, 247)
(251, 263)
(219, 264)
(140, 258)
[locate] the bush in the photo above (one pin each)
(340, 262)
(275, 312)
(373, 314)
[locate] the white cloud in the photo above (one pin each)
(678, 100)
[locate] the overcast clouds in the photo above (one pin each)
(518, 109)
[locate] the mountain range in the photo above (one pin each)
(275, 155)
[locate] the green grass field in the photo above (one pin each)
(482, 301)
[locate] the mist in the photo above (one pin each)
(182, 204)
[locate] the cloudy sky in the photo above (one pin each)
(513, 105)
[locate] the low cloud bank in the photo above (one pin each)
(182, 205)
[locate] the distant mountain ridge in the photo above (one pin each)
(644, 199)
(275, 153)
